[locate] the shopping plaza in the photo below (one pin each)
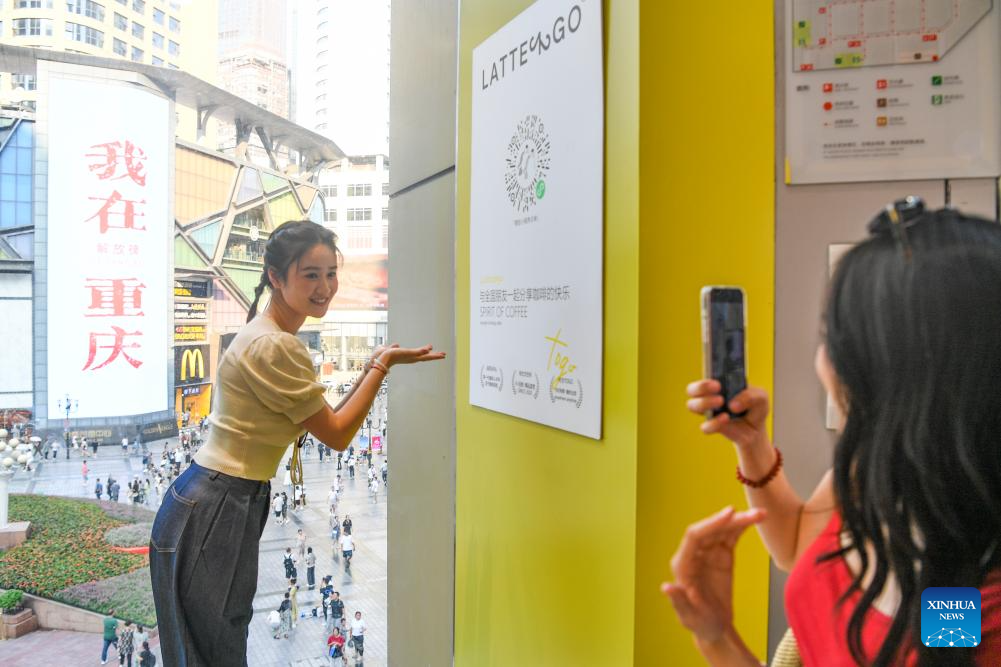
(569, 178)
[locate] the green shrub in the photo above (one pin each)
(130, 595)
(131, 535)
(11, 600)
(66, 547)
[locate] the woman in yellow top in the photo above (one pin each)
(204, 546)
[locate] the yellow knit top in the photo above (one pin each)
(265, 388)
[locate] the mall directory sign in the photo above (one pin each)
(536, 218)
(892, 90)
(109, 239)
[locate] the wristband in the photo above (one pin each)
(772, 474)
(380, 366)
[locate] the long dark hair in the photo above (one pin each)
(287, 244)
(913, 331)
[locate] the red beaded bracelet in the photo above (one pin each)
(767, 478)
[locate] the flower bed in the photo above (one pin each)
(67, 549)
(130, 595)
(130, 535)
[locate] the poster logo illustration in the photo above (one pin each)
(950, 617)
(527, 164)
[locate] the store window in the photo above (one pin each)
(330, 215)
(25, 81)
(329, 190)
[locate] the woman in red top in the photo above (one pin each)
(911, 352)
(335, 647)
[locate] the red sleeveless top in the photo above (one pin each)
(821, 626)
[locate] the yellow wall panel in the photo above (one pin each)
(707, 211)
(544, 518)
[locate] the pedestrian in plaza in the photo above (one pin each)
(338, 485)
(284, 508)
(289, 562)
(276, 506)
(347, 549)
(300, 543)
(321, 450)
(110, 635)
(335, 647)
(310, 568)
(373, 489)
(371, 473)
(84, 469)
(94, 445)
(337, 610)
(332, 498)
(351, 466)
(285, 610)
(146, 657)
(335, 529)
(265, 395)
(358, 635)
(293, 594)
(385, 471)
(325, 591)
(113, 490)
(339, 454)
(125, 445)
(55, 450)
(346, 524)
(139, 637)
(98, 489)
(125, 639)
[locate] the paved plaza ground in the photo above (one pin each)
(363, 589)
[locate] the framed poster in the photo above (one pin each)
(536, 218)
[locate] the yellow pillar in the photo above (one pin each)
(561, 541)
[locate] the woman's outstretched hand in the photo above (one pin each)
(704, 395)
(394, 354)
(702, 593)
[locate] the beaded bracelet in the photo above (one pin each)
(772, 474)
(380, 366)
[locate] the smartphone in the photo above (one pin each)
(724, 343)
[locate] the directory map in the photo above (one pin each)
(835, 34)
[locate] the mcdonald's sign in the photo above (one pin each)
(189, 364)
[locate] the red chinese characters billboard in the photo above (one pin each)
(109, 233)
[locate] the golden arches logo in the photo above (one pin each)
(193, 364)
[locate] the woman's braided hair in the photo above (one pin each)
(287, 244)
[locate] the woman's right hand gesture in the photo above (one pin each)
(704, 395)
(409, 355)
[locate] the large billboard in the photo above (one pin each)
(363, 283)
(109, 240)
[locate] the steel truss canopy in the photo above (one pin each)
(191, 92)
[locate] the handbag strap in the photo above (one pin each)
(295, 467)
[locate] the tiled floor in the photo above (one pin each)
(363, 589)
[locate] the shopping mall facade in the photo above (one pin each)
(128, 255)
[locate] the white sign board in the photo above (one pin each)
(109, 237)
(883, 90)
(536, 244)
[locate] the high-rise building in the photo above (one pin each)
(252, 59)
(172, 34)
(341, 78)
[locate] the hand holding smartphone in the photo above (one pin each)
(724, 343)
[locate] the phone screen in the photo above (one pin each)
(726, 312)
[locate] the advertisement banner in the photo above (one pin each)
(109, 238)
(190, 364)
(364, 285)
(191, 310)
(198, 289)
(190, 333)
(536, 218)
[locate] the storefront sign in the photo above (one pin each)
(159, 430)
(536, 218)
(189, 364)
(110, 226)
(190, 310)
(198, 289)
(892, 90)
(190, 333)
